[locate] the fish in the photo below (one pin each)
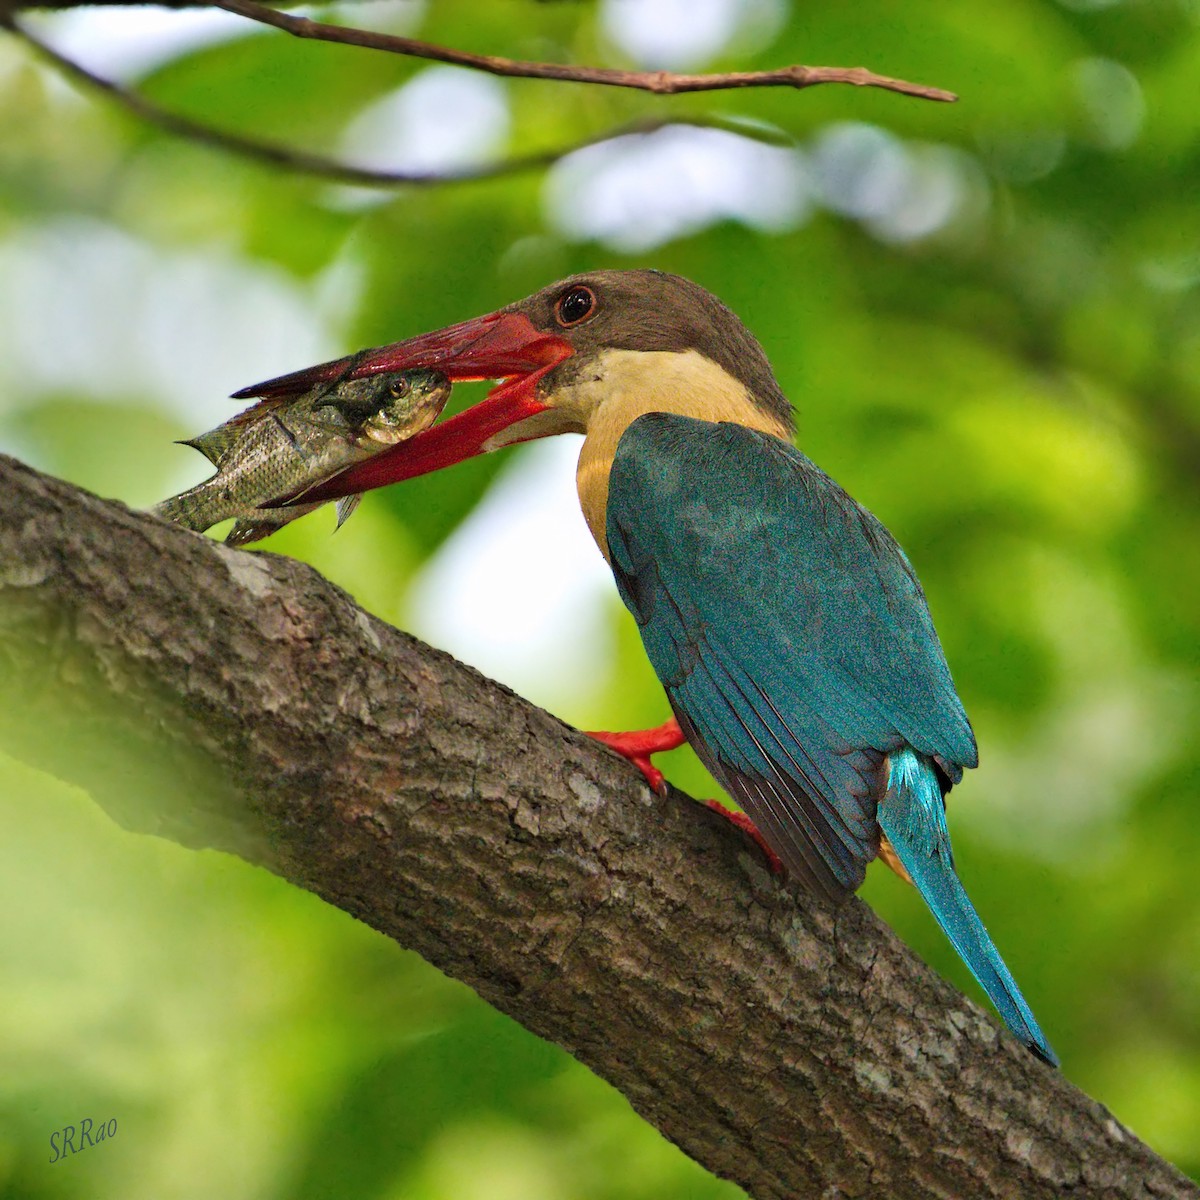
(276, 451)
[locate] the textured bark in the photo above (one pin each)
(240, 701)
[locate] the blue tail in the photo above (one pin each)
(913, 817)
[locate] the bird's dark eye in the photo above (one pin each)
(574, 305)
(399, 388)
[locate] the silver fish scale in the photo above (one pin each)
(295, 446)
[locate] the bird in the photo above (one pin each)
(785, 623)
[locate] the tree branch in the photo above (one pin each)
(240, 701)
(662, 83)
(320, 166)
(658, 82)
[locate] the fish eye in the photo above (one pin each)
(399, 388)
(575, 305)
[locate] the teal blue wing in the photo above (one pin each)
(788, 629)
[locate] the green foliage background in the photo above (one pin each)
(1015, 391)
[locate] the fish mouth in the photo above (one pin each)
(425, 411)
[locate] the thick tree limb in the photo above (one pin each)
(800, 1051)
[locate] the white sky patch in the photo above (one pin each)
(931, 195)
(520, 590)
(1172, 273)
(88, 309)
(124, 44)
(442, 119)
(1112, 102)
(674, 35)
(901, 191)
(860, 170)
(393, 16)
(1061, 791)
(640, 191)
(1024, 155)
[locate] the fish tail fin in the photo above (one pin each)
(169, 510)
(912, 815)
(188, 509)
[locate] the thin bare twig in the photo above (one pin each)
(658, 82)
(321, 166)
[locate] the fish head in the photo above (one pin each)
(408, 402)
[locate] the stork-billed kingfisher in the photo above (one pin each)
(784, 621)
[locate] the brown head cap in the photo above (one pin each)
(651, 310)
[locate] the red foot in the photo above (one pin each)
(638, 745)
(748, 827)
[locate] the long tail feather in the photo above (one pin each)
(913, 817)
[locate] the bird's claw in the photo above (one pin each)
(749, 828)
(637, 746)
(640, 744)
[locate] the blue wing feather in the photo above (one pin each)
(788, 628)
(797, 651)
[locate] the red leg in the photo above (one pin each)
(639, 745)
